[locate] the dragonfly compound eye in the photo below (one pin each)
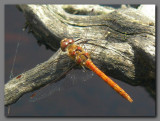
(64, 44)
(70, 41)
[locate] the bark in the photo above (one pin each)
(121, 43)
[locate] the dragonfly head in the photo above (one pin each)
(65, 43)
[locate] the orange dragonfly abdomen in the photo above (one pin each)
(117, 88)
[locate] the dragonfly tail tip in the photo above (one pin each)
(130, 100)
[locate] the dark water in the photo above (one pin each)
(95, 99)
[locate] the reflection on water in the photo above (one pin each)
(95, 99)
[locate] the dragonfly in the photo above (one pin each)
(81, 57)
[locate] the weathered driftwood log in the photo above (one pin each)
(121, 43)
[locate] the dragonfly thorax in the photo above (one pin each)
(65, 43)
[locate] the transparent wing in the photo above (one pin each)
(75, 78)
